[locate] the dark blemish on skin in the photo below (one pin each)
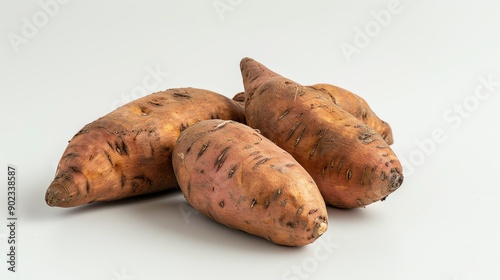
(117, 149)
(181, 95)
(254, 201)
(332, 165)
(284, 114)
(135, 186)
(152, 149)
(339, 166)
(301, 208)
(203, 149)
(137, 134)
(315, 146)
(221, 158)
(266, 203)
(383, 176)
(264, 88)
(257, 157)
(292, 130)
(277, 193)
(312, 211)
(139, 177)
(231, 172)
(348, 174)
(262, 161)
(71, 155)
(156, 103)
(88, 187)
(291, 224)
(221, 204)
(109, 158)
(299, 137)
(75, 169)
(144, 111)
(124, 147)
(183, 127)
(123, 179)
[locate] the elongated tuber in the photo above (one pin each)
(128, 152)
(350, 162)
(235, 176)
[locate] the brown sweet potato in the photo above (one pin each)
(350, 162)
(358, 107)
(128, 152)
(350, 102)
(235, 176)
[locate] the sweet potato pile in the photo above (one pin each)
(266, 162)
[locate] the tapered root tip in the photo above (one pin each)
(57, 195)
(322, 228)
(396, 180)
(244, 61)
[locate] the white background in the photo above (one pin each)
(422, 70)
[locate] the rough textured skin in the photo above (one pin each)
(351, 164)
(358, 107)
(128, 152)
(233, 175)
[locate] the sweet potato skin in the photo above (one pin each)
(128, 152)
(233, 175)
(358, 107)
(351, 163)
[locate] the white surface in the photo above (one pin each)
(89, 57)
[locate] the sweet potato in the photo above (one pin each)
(235, 176)
(350, 102)
(351, 163)
(128, 152)
(358, 107)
